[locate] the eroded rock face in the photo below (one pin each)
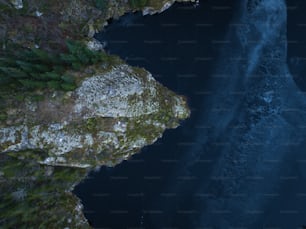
(163, 5)
(109, 117)
(18, 4)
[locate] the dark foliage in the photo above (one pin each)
(38, 69)
(137, 3)
(101, 4)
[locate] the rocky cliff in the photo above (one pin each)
(50, 139)
(48, 146)
(109, 117)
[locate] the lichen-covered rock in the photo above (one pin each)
(161, 6)
(109, 117)
(18, 4)
(48, 139)
(95, 45)
(38, 196)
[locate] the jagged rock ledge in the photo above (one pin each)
(108, 118)
(115, 11)
(149, 10)
(115, 111)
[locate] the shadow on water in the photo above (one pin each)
(297, 41)
(225, 166)
(180, 47)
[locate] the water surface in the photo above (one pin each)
(239, 161)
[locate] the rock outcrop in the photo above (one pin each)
(50, 140)
(163, 5)
(53, 142)
(109, 117)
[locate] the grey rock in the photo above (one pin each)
(109, 117)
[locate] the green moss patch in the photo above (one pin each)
(37, 196)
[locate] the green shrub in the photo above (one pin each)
(38, 69)
(101, 4)
(54, 85)
(138, 3)
(3, 116)
(67, 87)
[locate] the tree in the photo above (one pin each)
(101, 4)
(138, 3)
(37, 68)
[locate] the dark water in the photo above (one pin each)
(240, 160)
(297, 41)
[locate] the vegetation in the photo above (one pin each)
(38, 69)
(34, 195)
(138, 3)
(101, 4)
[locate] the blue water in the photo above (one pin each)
(240, 160)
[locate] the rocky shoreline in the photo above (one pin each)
(48, 145)
(102, 122)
